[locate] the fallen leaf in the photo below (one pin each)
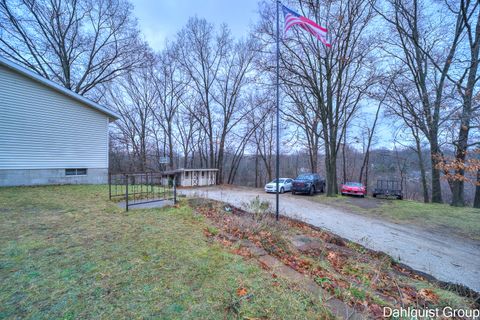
(241, 292)
(376, 310)
(428, 294)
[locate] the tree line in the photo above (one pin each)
(402, 74)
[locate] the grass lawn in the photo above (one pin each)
(464, 222)
(67, 252)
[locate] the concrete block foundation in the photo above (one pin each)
(32, 177)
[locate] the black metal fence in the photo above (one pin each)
(140, 188)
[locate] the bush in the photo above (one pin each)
(260, 209)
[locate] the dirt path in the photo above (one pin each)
(445, 257)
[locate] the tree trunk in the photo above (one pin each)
(365, 159)
(267, 161)
(331, 173)
(369, 143)
(462, 143)
(422, 167)
(476, 201)
(436, 186)
(256, 168)
(212, 151)
(313, 150)
(344, 157)
(220, 163)
(185, 158)
(426, 197)
(457, 190)
(170, 145)
(366, 170)
(314, 161)
(200, 155)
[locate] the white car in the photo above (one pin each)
(284, 185)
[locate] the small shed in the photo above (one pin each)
(193, 177)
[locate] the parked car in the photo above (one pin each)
(309, 183)
(284, 185)
(354, 189)
(388, 188)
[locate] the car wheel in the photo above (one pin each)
(282, 190)
(343, 194)
(311, 191)
(374, 195)
(322, 190)
(293, 192)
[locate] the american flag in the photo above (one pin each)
(292, 18)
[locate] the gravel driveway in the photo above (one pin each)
(445, 257)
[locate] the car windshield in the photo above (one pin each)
(354, 184)
(305, 176)
(275, 180)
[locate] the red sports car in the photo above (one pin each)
(354, 189)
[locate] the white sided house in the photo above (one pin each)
(49, 134)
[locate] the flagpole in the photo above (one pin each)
(277, 169)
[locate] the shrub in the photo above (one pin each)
(260, 209)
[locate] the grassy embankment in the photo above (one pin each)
(464, 222)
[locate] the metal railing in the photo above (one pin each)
(141, 188)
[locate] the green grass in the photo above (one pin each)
(66, 252)
(464, 222)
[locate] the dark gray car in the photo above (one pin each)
(308, 183)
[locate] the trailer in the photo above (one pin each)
(388, 189)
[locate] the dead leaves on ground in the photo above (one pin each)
(428, 295)
(241, 251)
(351, 268)
(335, 259)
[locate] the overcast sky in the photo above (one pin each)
(162, 19)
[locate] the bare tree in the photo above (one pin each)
(402, 104)
(423, 49)
(265, 139)
(170, 85)
(186, 129)
(264, 134)
(370, 135)
(233, 110)
(412, 46)
(329, 83)
(303, 112)
(201, 52)
(469, 11)
(218, 72)
(134, 98)
(78, 43)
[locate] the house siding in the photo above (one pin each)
(44, 129)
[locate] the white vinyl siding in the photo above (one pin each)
(41, 128)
